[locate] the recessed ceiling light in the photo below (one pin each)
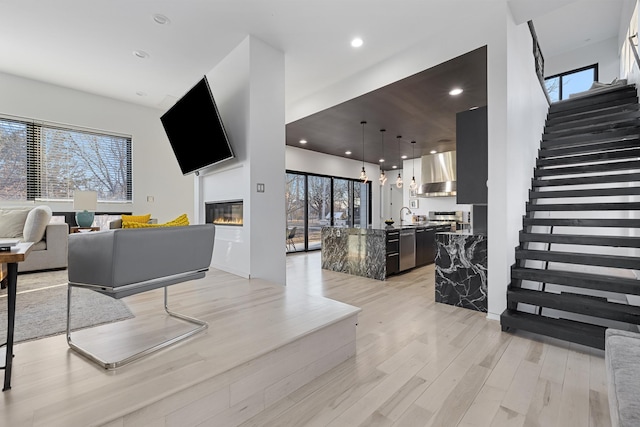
(381, 160)
(394, 167)
(140, 54)
(357, 42)
(161, 19)
(455, 91)
(433, 151)
(140, 93)
(473, 108)
(303, 141)
(403, 157)
(348, 153)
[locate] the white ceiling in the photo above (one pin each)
(88, 44)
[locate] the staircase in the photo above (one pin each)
(579, 245)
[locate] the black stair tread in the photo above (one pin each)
(568, 330)
(573, 140)
(593, 128)
(578, 280)
(628, 98)
(619, 206)
(596, 114)
(592, 100)
(572, 114)
(599, 179)
(602, 156)
(597, 167)
(593, 192)
(614, 261)
(576, 303)
(586, 119)
(630, 142)
(582, 239)
(582, 222)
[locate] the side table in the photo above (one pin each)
(17, 254)
(82, 229)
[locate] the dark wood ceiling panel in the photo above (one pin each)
(418, 108)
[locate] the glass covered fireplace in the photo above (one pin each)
(228, 212)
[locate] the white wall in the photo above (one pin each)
(604, 53)
(249, 89)
(155, 169)
(298, 159)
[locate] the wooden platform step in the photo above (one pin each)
(597, 127)
(599, 167)
(591, 115)
(614, 114)
(567, 330)
(618, 144)
(613, 261)
(576, 279)
(571, 141)
(576, 303)
(597, 192)
(578, 239)
(601, 156)
(571, 207)
(581, 222)
(582, 180)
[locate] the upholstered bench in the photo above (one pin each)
(128, 261)
(622, 359)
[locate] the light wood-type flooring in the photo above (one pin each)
(421, 363)
(418, 363)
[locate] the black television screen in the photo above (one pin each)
(195, 130)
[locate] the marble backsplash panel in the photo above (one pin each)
(361, 252)
(461, 270)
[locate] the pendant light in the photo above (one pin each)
(363, 174)
(399, 179)
(413, 186)
(383, 178)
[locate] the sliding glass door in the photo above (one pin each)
(315, 201)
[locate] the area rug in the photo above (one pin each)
(41, 307)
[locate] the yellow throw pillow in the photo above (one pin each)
(177, 222)
(136, 218)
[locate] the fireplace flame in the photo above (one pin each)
(230, 221)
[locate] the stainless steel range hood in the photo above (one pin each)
(438, 175)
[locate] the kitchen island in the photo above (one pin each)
(378, 252)
(461, 270)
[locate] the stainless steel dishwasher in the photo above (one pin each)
(407, 249)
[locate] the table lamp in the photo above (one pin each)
(85, 201)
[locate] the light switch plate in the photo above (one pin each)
(260, 188)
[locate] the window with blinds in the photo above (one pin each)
(48, 161)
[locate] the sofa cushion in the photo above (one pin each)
(136, 218)
(36, 223)
(182, 220)
(12, 221)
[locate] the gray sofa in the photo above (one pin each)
(622, 360)
(32, 224)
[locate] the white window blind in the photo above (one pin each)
(48, 161)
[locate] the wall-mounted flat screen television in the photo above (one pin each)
(195, 130)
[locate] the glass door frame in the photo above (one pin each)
(352, 183)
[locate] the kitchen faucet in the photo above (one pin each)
(408, 211)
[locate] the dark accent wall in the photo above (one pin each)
(472, 156)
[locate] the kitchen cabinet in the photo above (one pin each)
(393, 252)
(472, 156)
(425, 246)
